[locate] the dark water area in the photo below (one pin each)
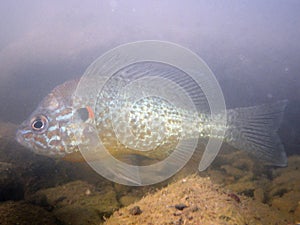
(252, 47)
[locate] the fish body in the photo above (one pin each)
(151, 126)
(56, 126)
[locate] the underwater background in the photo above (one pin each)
(253, 49)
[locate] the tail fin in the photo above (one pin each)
(254, 129)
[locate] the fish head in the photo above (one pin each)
(48, 131)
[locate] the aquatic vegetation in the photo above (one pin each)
(205, 203)
(285, 189)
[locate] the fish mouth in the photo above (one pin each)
(19, 137)
(21, 140)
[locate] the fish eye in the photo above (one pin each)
(39, 123)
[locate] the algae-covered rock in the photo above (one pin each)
(284, 193)
(242, 187)
(78, 202)
(22, 213)
(288, 203)
(286, 179)
(297, 213)
(204, 203)
(259, 195)
(275, 186)
(233, 171)
(77, 215)
(128, 199)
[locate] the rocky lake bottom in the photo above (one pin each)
(235, 189)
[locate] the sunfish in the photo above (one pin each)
(55, 127)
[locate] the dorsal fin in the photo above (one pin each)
(65, 90)
(61, 95)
